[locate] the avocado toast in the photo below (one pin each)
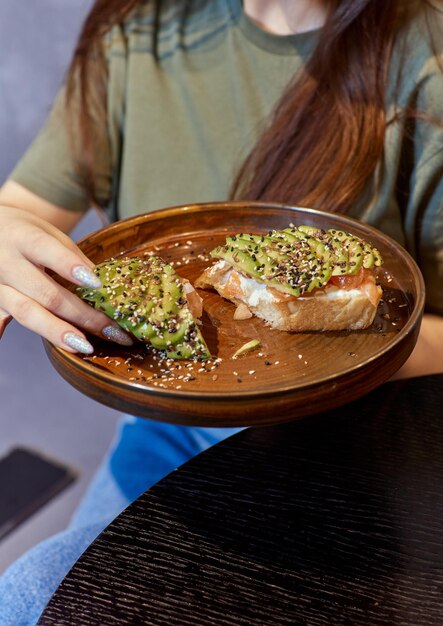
(301, 278)
(147, 298)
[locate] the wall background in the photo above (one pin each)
(36, 40)
(37, 408)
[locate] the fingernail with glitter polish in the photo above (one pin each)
(115, 333)
(86, 277)
(78, 343)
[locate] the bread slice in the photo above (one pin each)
(331, 308)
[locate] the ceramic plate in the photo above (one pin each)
(290, 375)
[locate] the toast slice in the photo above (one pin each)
(298, 280)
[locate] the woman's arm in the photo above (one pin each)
(427, 356)
(14, 195)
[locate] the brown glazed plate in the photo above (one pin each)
(290, 375)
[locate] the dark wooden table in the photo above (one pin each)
(334, 519)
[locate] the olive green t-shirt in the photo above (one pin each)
(179, 129)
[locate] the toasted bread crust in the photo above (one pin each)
(327, 310)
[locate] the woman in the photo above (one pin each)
(332, 104)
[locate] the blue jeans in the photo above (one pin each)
(144, 452)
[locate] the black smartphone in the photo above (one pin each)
(28, 480)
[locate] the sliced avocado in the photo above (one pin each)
(345, 250)
(366, 249)
(275, 261)
(239, 256)
(192, 346)
(370, 256)
(338, 242)
(307, 261)
(145, 297)
(313, 231)
(298, 259)
(168, 321)
(319, 244)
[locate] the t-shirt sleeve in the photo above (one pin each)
(48, 167)
(424, 214)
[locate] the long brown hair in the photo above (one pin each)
(326, 135)
(327, 132)
(85, 95)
